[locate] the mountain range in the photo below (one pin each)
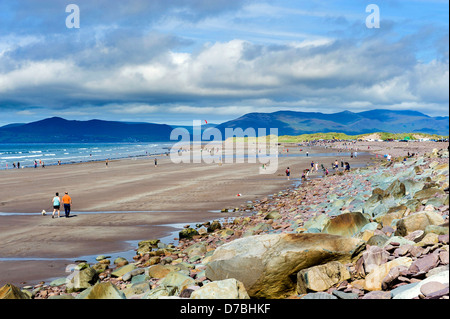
(59, 130)
(297, 123)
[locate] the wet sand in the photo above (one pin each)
(147, 195)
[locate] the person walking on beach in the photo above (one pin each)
(347, 166)
(288, 173)
(336, 165)
(67, 201)
(156, 162)
(56, 201)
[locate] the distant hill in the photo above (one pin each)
(297, 123)
(59, 130)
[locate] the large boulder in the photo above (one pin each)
(428, 193)
(176, 281)
(374, 280)
(266, 264)
(123, 270)
(322, 277)
(102, 290)
(81, 279)
(373, 257)
(346, 225)
(222, 289)
(397, 189)
(146, 246)
(187, 233)
(9, 291)
(418, 221)
(196, 249)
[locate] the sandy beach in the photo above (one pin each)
(147, 195)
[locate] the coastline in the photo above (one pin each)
(192, 192)
(115, 229)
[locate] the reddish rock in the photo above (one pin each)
(443, 256)
(378, 295)
(424, 264)
(432, 287)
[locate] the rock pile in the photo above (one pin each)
(374, 233)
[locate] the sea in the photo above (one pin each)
(70, 153)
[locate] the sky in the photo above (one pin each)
(175, 61)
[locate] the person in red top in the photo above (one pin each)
(67, 201)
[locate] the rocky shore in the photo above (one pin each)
(372, 233)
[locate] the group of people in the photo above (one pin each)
(315, 167)
(35, 164)
(14, 165)
(66, 200)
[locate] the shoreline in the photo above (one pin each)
(115, 229)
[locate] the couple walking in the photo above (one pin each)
(66, 200)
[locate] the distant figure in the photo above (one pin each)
(35, 164)
(307, 154)
(18, 164)
(56, 201)
(288, 173)
(156, 162)
(347, 166)
(312, 166)
(67, 201)
(106, 162)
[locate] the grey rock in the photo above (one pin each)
(378, 295)
(345, 295)
(319, 295)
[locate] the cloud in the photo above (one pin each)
(30, 16)
(226, 72)
(149, 58)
